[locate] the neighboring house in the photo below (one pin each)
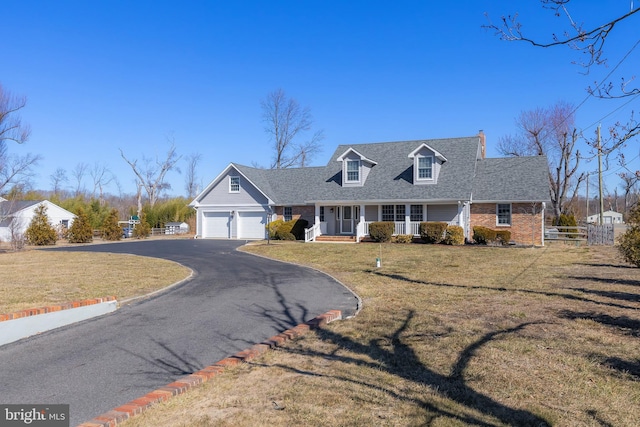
(407, 182)
(608, 217)
(16, 215)
(176, 228)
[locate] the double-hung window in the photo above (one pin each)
(393, 213)
(416, 213)
(353, 170)
(234, 184)
(503, 213)
(425, 167)
(288, 213)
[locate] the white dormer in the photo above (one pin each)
(426, 164)
(355, 168)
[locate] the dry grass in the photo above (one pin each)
(449, 336)
(37, 278)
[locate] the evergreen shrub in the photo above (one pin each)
(503, 236)
(454, 235)
(111, 229)
(483, 235)
(381, 231)
(629, 242)
(40, 231)
(81, 230)
(432, 232)
(403, 238)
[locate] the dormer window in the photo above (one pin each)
(427, 164)
(353, 170)
(425, 167)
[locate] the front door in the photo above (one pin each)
(347, 218)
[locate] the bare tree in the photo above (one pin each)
(151, 175)
(191, 177)
(101, 177)
(286, 121)
(13, 169)
(58, 179)
(589, 42)
(629, 185)
(79, 173)
(547, 132)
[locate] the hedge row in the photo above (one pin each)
(430, 232)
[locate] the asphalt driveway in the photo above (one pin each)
(233, 301)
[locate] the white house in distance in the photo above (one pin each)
(608, 217)
(17, 214)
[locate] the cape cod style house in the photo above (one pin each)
(408, 182)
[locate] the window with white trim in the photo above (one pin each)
(353, 170)
(425, 167)
(234, 184)
(503, 213)
(416, 213)
(387, 213)
(321, 213)
(288, 213)
(393, 212)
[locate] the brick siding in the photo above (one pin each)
(526, 229)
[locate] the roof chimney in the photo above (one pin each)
(483, 144)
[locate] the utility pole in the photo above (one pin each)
(600, 178)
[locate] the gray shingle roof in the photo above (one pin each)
(517, 179)
(509, 179)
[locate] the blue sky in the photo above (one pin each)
(107, 75)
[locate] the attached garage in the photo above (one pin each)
(251, 225)
(216, 225)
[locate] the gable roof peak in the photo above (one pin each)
(425, 145)
(352, 150)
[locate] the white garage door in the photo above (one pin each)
(215, 225)
(251, 225)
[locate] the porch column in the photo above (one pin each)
(407, 219)
(316, 220)
(379, 213)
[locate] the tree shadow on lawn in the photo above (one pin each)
(401, 360)
(624, 324)
(502, 289)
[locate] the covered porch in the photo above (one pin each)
(347, 219)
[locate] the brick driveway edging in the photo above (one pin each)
(184, 384)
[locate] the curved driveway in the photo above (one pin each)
(233, 301)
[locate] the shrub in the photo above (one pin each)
(629, 242)
(280, 230)
(381, 231)
(40, 232)
(111, 229)
(142, 230)
(566, 224)
(297, 229)
(284, 235)
(432, 232)
(81, 230)
(483, 235)
(503, 236)
(454, 235)
(403, 238)
(273, 226)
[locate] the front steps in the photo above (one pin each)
(336, 239)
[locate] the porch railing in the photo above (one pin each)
(312, 232)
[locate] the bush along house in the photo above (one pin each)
(436, 180)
